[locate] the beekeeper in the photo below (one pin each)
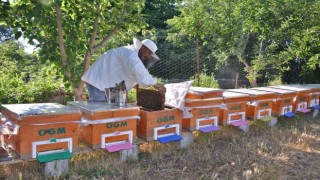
(127, 63)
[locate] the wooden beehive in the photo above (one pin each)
(154, 119)
(301, 99)
(261, 103)
(202, 103)
(235, 106)
(41, 122)
(150, 98)
(283, 103)
(189, 124)
(105, 118)
(313, 97)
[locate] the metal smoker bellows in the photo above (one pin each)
(117, 94)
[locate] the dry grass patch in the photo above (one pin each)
(288, 151)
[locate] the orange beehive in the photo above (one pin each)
(155, 124)
(302, 95)
(234, 109)
(283, 103)
(204, 105)
(313, 98)
(261, 104)
(315, 95)
(107, 124)
(43, 127)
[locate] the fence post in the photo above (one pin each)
(198, 60)
(237, 78)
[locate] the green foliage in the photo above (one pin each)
(132, 96)
(37, 20)
(258, 33)
(275, 82)
(23, 79)
(206, 80)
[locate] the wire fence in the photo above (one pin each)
(180, 64)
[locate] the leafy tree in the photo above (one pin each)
(72, 32)
(257, 33)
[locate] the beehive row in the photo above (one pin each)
(46, 128)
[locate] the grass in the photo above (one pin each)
(290, 150)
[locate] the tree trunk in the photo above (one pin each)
(61, 42)
(252, 74)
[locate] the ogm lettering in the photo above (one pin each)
(237, 107)
(51, 131)
(302, 99)
(165, 119)
(287, 101)
(206, 111)
(116, 124)
(264, 104)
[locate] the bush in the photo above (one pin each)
(205, 80)
(25, 80)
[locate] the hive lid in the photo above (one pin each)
(275, 90)
(234, 97)
(293, 88)
(38, 109)
(93, 107)
(203, 90)
(314, 87)
(230, 94)
(258, 95)
(250, 92)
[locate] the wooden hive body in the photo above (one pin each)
(302, 96)
(283, 102)
(41, 122)
(103, 118)
(313, 98)
(235, 106)
(154, 119)
(261, 103)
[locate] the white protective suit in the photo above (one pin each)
(116, 65)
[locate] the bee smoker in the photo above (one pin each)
(117, 94)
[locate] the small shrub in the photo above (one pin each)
(205, 80)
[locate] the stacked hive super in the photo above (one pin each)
(46, 131)
(105, 125)
(204, 105)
